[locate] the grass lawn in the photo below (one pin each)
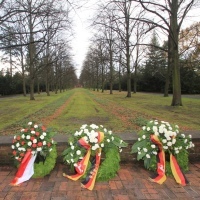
(66, 112)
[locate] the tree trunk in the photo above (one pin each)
(168, 73)
(176, 100)
(32, 89)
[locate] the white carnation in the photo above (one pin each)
(147, 155)
(44, 133)
(145, 149)
(35, 141)
(41, 137)
(144, 136)
(28, 137)
(35, 126)
(39, 149)
(78, 152)
(29, 143)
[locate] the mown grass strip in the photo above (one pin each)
(82, 109)
(18, 110)
(82, 106)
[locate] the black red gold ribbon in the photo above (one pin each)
(176, 171)
(81, 166)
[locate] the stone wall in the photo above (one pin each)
(6, 152)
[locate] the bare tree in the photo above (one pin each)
(169, 16)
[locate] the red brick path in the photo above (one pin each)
(130, 183)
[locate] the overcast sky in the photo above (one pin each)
(83, 33)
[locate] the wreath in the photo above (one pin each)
(163, 149)
(38, 140)
(93, 154)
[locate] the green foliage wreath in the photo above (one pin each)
(173, 142)
(111, 146)
(43, 168)
(39, 140)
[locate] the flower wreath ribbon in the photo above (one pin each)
(81, 166)
(176, 171)
(25, 170)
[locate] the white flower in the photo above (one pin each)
(147, 155)
(86, 130)
(156, 122)
(145, 149)
(23, 136)
(32, 132)
(28, 137)
(168, 138)
(185, 141)
(35, 141)
(161, 130)
(50, 149)
(17, 145)
(176, 126)
(72, 147)
(139, 152)
(75, 165)
(76, 133)
(170, 128)
(105, 130)
(29, 143)
(44, 133)
(139, 139)
(112, 138)
(41, 137)
(110, 132)
(155, 152)
(165, 147)
(148, 129)
(78, 152)
(173, 140)
(144, 128)
(22, 130)
(15, 137)
(30, 123)
(108, 140)
(180, 147)
(102, 145)
(155, 129)
(39, 149)
(183, 135)
(144, 136)
(35, 126)
(120, 150)
(44, 142)
(72, 160)
(164, 141)
(96, 146)
(156, 133)
(153, 146)
(139, 148)
(190, 136)
(169, 144)
(94, 126)
(16, 157)
(177, 151)
(13, 147)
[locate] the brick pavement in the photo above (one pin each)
(130, 183)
